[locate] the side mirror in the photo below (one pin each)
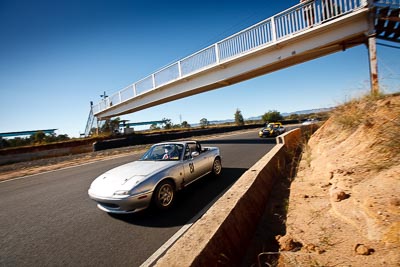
(195, 154)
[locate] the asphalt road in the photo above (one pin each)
(49, 220)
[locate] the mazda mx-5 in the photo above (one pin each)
(155, 178)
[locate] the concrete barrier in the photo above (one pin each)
(49, 153)
(222, 234)
(141, 139)
(20, 154)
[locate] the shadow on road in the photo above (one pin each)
(188, 203)
(241, 141)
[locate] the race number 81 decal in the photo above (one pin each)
(191, 166)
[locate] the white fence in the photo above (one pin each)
(293, 20)
(395, 3)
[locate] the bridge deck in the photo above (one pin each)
(298, 34)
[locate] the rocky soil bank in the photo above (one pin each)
(344, 204)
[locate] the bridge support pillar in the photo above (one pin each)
(373, 65)
(373, 62)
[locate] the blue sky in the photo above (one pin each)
(57, 56)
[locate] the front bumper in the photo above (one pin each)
(264, 134)
(125, 205)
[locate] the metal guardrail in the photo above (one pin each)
(283, 25)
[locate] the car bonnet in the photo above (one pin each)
(126, 176)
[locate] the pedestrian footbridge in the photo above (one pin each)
(303, 32)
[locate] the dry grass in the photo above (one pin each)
(360, 114)
(356, 112)
(357, 151)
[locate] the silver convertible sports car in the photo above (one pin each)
(155, 178)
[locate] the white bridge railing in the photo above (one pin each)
(295, 19)
(395, 3)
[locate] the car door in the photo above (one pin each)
(194, 167)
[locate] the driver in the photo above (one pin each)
(170, 152)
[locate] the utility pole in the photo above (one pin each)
(373, 65)
(373, 62)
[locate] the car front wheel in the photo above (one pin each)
(217, 167)
(164, 195)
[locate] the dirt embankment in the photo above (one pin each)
(344, 205)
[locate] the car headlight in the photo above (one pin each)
(122, 193)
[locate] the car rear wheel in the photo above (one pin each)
(217, 167)
(164, 195)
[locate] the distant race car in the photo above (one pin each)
(155, 178)
(310, 121)
(272, 129)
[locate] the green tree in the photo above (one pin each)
(239, 118)
(110, 125)
(167, 123)
(105, 127)
(293, 116)
(50, 138)
(63, 137)
(272, 116)
(93, 131)
(204, 122)
(185, 124)
(38, 137)
(154, 127)
(114, 125)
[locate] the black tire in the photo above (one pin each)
(217, 167)
(164, 195)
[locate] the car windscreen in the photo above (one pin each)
(164, 152)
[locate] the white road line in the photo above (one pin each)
(65, 168)
(156, 255)
(83, 164)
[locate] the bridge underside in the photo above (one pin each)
(331, 36)
(387, 23)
